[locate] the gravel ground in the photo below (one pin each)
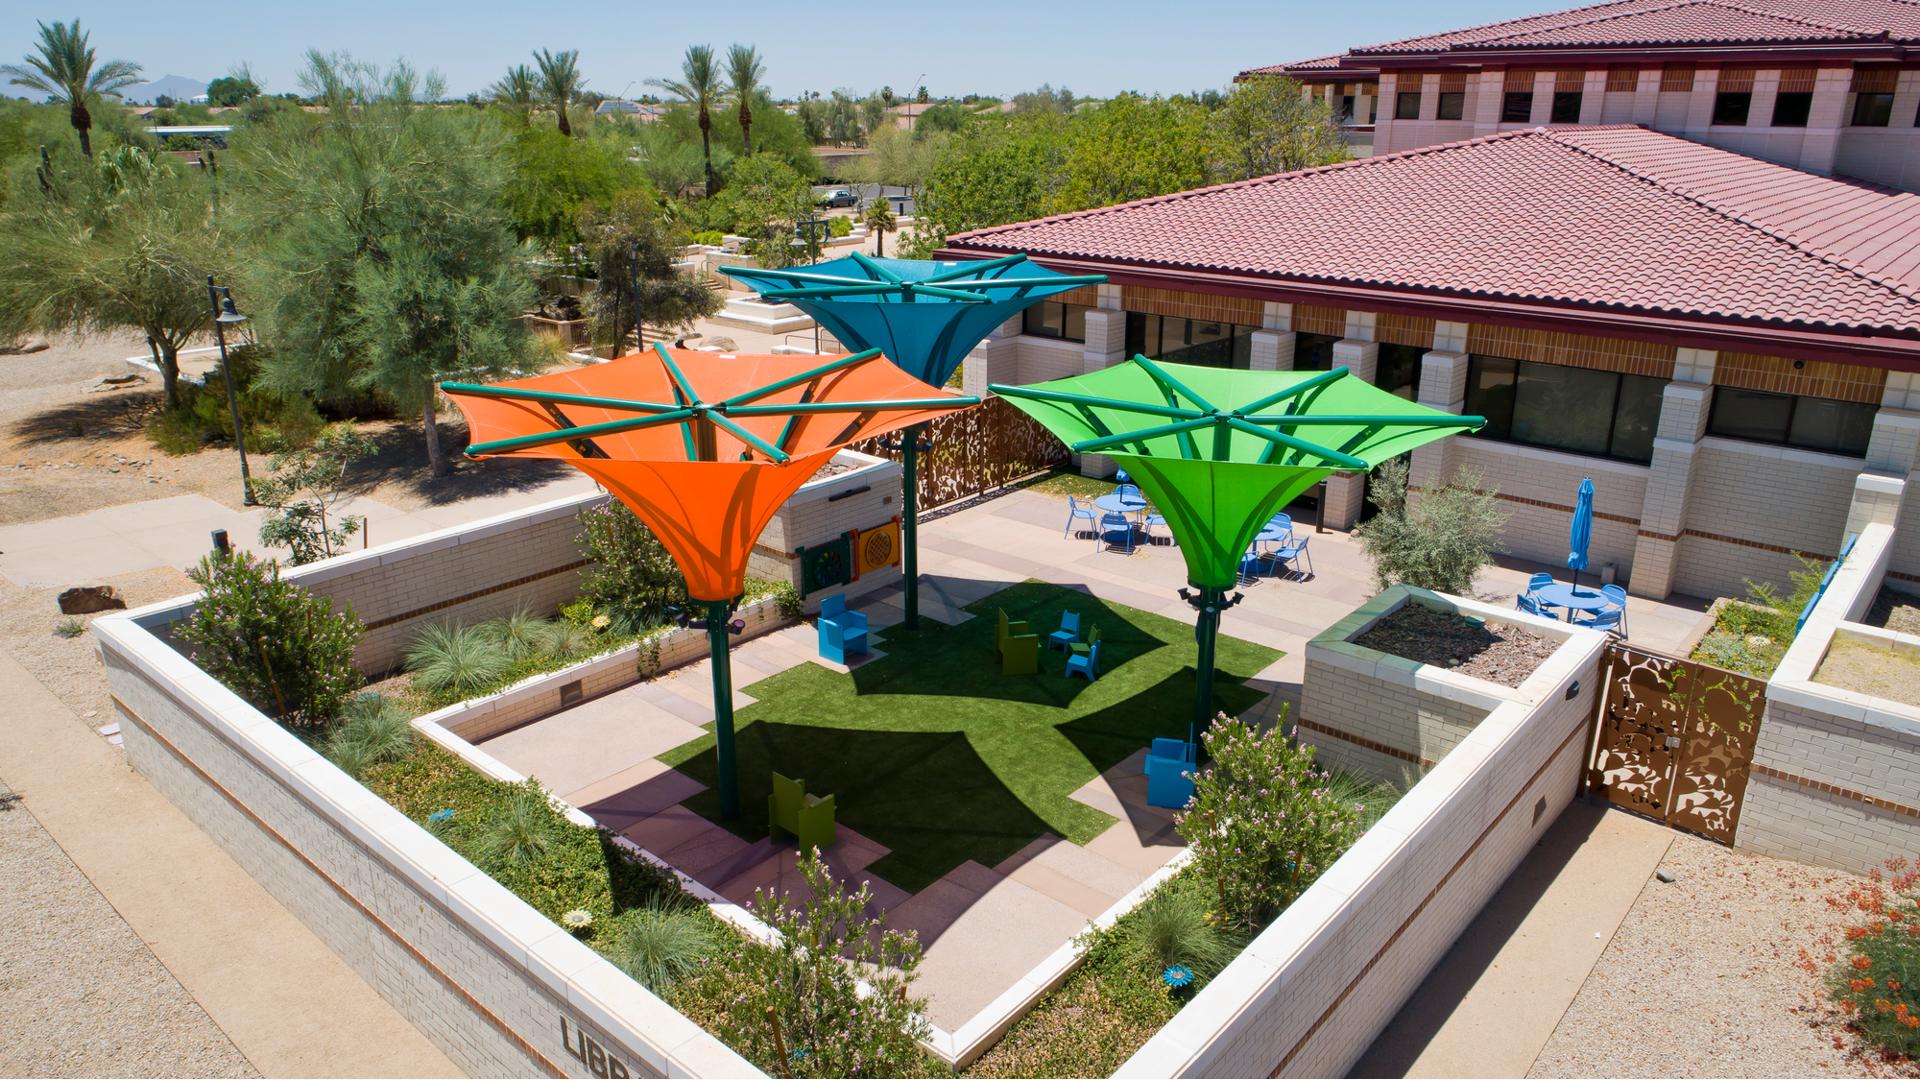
(1492, 651)
(1895, 611)
(1864, 669)
(79, 991)
(1701, 978)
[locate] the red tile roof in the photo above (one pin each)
(1633, 24)
(1609, 217)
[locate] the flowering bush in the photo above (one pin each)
(275, 644)
(1264, 822)
(1875, 985)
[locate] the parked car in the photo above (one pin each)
(839, 197)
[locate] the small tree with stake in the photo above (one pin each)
(301, 492)
(283, 649)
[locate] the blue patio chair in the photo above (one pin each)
(1168, 785)
(1156, 519)
(843, 633)
(1617, 596)
(1178, 749)
(1120, 477)
(1293, 552)
(1256, 563)
(1612, 620)
(1534, 585)
(1068, 633)
(1526, 604)
(1075, 512)
(1283, 522)
(1086, 663)
(1112, 523)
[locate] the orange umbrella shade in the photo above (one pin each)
(703, 447)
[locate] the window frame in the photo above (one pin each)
(1401, 100)
(1884, 105)
(1794, 401)
(1458, 101)
(1723, 102)
(1500, 428)
(1515, 97)
(1041, 308)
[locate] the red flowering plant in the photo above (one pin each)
(1877, 984)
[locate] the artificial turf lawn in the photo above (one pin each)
(930, 751)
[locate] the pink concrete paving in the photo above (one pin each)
(984, 927)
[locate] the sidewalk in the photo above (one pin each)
(1493, 1001)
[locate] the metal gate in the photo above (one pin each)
(1676, 739)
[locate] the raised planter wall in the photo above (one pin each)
(1311, 993)
(1836, 774)
(496, 985)
(864, 498)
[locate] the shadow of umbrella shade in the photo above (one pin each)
(925, 316)
(1219, 451)
(704, 448)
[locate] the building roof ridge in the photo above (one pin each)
(1388, 45)
(1717, 206)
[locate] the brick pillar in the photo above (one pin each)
(1891, 452)
(1646, 95)
(1676, 442)
(1593, 96)
(1486, 104)
(1543, 83)
(995, 360)
(1706, 82)
(1443, 385)
(1272, 351)
(1825, 117)
(1106, 346)
(1347, 491)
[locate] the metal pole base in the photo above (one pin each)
(727, 767)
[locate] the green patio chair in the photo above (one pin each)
(1082, 648)
(806, 818)
(1018, 646)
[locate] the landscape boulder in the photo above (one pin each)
(87, 599)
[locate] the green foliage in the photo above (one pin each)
(200, 414)
(122, 243)
(801, 993)
(631, 237)
(63, 68)
(765, 199)
(1442, 543)
(559, 83)
(840, 226)
(460, 661)
(283, 649)
(1175, 926)
(235, 89)
(1752, 637)
(698, 89)
(1267, 126)
(372, 730)
(880, 221)
(71, 628)
(301, 490)
(662, 943)
(1877, 985)
(708, 237)
(632, 578)
(1263, 824)
(521, 635)
(522, 833)
(381, 260)
(552, 176)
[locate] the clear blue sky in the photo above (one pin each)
(985, 46)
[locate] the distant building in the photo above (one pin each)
(644, 112)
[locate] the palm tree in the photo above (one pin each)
(560, 82)
(64, 71)
(698, 86)
(744, 72)
(879, 218)
(517, 90)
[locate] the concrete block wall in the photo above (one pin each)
(823, 509)
(1527, 477)
(496, 985)
(1748, 499)
(1310, 994)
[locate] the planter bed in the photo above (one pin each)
(1494, 651)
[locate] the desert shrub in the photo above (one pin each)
(1877, 984)
(1263, 825)
(372, 730)
(840, 226)
(274, 421)
(709, 237)
(632, 578)
(660, 944)
(1752, 636)
(456, 660)
(799, 998)
(1440, 544)
(521, 635)
(303, 488)
(283, 649)
(523, 830)
(1174, 927)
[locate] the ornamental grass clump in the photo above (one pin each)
(456, 660)
(372, 730)
(1877, 984)
(1264, 822)
(1175, 928)
(522, 832)
(283, 649)
(662, 943)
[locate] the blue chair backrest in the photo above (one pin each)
(1525, 603)
(832, 607)
(1614, 593)
(1070, 621)
(1604, 620)
(1127, 490)
(1073, 504)
(1117, 519)
(1539, 581)
(1093, 654)
(1281, 521)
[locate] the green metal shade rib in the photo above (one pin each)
(547, 438)
(966, 268)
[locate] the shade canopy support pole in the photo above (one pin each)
(910, 524)
(727, 766)
(1206, 634)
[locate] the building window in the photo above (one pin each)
(1398, 370)
(1566, 107)
(1313, 352)
(1792, 107)
(1838, 427)
(1730, 108)
(1453, 105)
(1872, 109)
(1050, 319)
(1189, 341)
(1346, 108)
(1406, 105)
(1601, 413)
(1516, 107)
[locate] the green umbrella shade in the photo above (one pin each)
(1220, 450)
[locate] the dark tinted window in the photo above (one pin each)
(1730, 107)
(1189, 341)
(1840, 427)
(1313, 352)
(1791, 108)
(1564, 408)
(1452, 105)
(1516, 107)
(1406, 105)
(1398, 371)
(1566, 107)
(1872, 110)
(1056, 320)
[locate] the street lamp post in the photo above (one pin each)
(225, 315)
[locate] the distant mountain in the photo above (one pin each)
(178, 87)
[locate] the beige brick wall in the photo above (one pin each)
(1763, 495)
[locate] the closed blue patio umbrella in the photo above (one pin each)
(1581, 533)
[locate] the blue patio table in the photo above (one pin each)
(1572, 599)
(1271, 534)
(1120, 504)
